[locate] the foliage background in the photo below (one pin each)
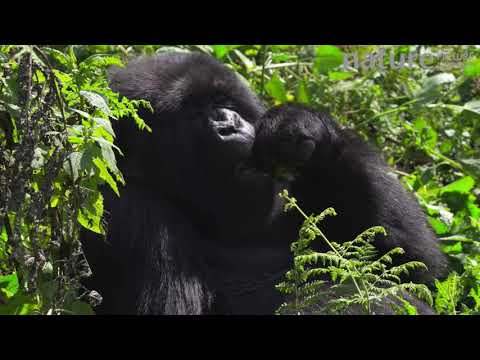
(57, 147)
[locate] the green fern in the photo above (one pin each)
(352, 264)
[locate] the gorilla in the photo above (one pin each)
(200, 228)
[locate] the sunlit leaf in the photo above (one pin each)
(105, 175)
(9, 284)
(472, 68)
(302, 93)
(431, 86)
(276, 88)
(91, 211)
(97, 101)
(462, 186)
(327, 58)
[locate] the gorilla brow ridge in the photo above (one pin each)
(168, 81)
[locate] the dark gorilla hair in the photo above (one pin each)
(335, 167)
(199, 228)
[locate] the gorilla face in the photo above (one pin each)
(202, 122)
(231, 135)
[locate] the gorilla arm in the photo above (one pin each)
(335, 168)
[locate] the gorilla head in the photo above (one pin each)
(203, 131)
(203, 110)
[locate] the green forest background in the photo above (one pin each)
(419, 104)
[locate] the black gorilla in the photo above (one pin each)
(199, 228)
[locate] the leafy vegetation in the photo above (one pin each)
(353, 265)
(419, 104)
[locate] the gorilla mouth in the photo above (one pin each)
(231, 133)
(226, 131)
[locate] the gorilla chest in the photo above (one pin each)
(244, 280)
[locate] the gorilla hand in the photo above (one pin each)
(290, 137)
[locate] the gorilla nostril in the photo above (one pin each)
(228, 130)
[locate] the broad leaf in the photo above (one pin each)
(327, 58)
(97, 101)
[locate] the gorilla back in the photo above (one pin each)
(199, 228)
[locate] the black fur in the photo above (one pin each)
(199, 228)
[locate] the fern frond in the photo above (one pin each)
(359, 276)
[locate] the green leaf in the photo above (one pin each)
(97, 101)
(109, 159)
(439, 79)
(82, 113)
(438, 226)
(276, 89)
(302, 93)
(9, 285)
(71, 56)
(105, 123)
(419, 124)
(452, 249)
(456, 238)
(462, 186)
(430, 137)
(428, 134)
(222, 50)
(408, 308)
(475, 295)
(72, 164)
(339, 75)
(54, 201)
(3, 235)
(91, 211)
(446, 146)
(102, 142)
(448, 294)
(431, 86)
(472, 68)
(65, 79)
(472, 107)
(59, 57)
(473, 209)
(100, 61)
(105, 175)
(327, 58)
(20, 304)
(90, 152)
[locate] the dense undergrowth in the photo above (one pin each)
(419, 104)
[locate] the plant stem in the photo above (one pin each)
(340, 256)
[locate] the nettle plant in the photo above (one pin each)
(359, 276)
(56, 150)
